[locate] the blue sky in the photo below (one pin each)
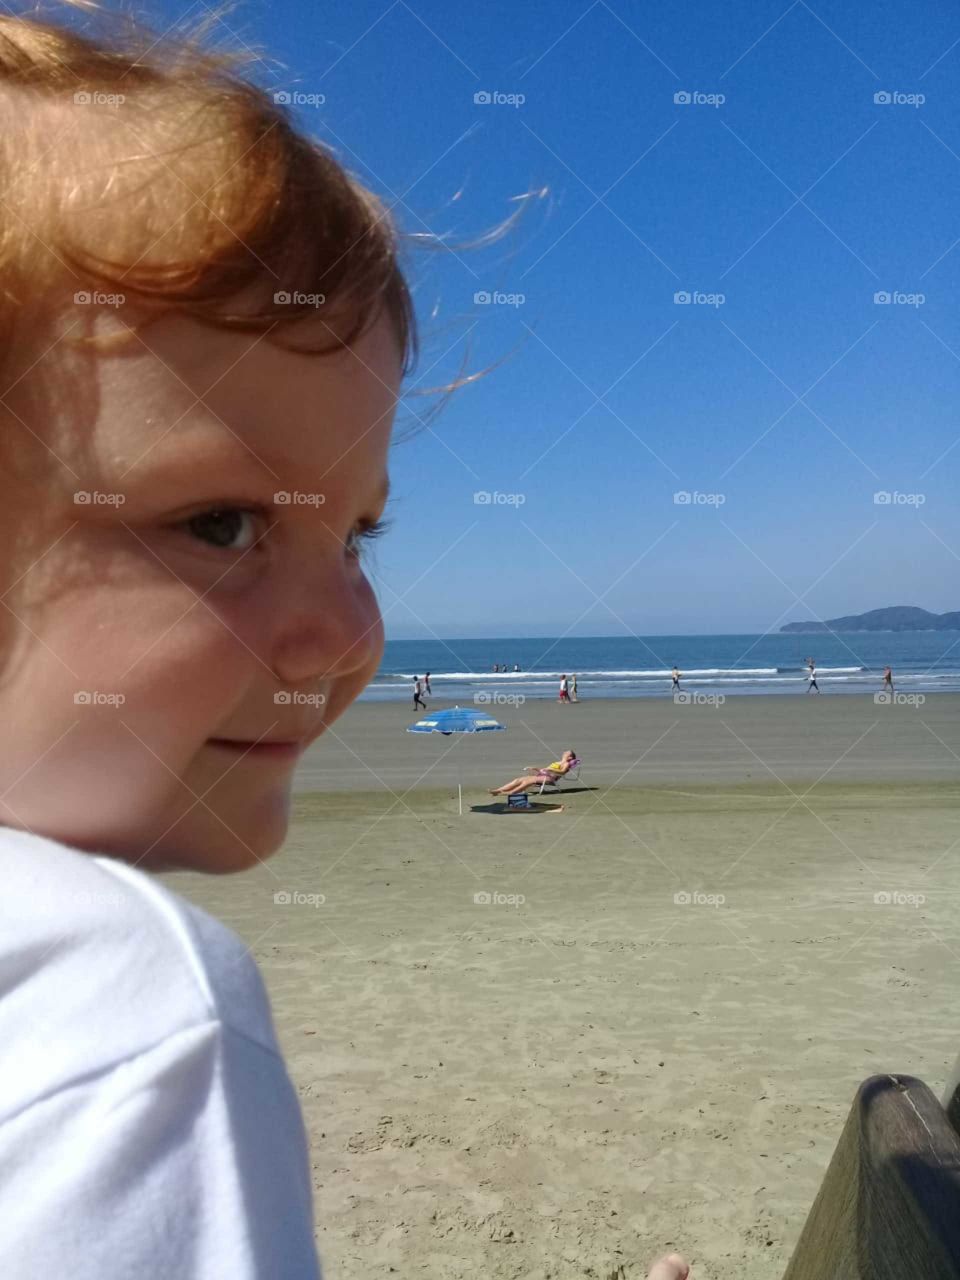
(797, 398)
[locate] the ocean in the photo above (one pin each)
(461, 671)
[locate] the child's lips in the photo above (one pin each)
(262, 750)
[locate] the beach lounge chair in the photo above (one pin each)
(889, 1204)
(572, 775)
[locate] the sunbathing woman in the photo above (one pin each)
(551, 772)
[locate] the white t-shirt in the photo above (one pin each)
(148, 1128)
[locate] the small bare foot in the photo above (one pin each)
(669, 1267)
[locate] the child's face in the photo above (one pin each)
(197, 621)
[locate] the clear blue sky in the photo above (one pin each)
(797, 399)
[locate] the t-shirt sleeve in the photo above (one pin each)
(187, 1160)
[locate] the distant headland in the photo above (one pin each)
(899, 617)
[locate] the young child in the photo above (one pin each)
(204, 333)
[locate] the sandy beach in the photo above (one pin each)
(651, 1033)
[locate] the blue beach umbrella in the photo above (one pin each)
(457, 720)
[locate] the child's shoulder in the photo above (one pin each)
(98, 954)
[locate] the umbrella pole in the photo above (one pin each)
(459, 785)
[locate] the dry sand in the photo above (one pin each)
(567, 1085)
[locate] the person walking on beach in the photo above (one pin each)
(887, 680)
(426, 685)
(676, 680)
(564, 695)
(418, 694)
(573, 689)
(812, 686)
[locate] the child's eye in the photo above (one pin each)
(365, 532)
(232, 528)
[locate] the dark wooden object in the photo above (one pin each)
(889, 1204)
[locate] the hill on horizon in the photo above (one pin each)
(898, 617)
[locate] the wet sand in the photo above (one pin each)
(636, 741)
(651, 1033)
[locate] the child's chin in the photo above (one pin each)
(222, 847)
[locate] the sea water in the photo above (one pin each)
(639, 666)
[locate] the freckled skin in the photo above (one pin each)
(127, 600)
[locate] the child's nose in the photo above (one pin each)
(333, 630)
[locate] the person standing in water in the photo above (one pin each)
(887, 680)
(418, 694)
(812, 686)
(676, 680)
(426, 685)
(573, 689)
(564, 696)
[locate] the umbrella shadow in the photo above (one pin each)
(503, 807)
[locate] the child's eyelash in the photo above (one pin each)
(376, 529)
(368, 531)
